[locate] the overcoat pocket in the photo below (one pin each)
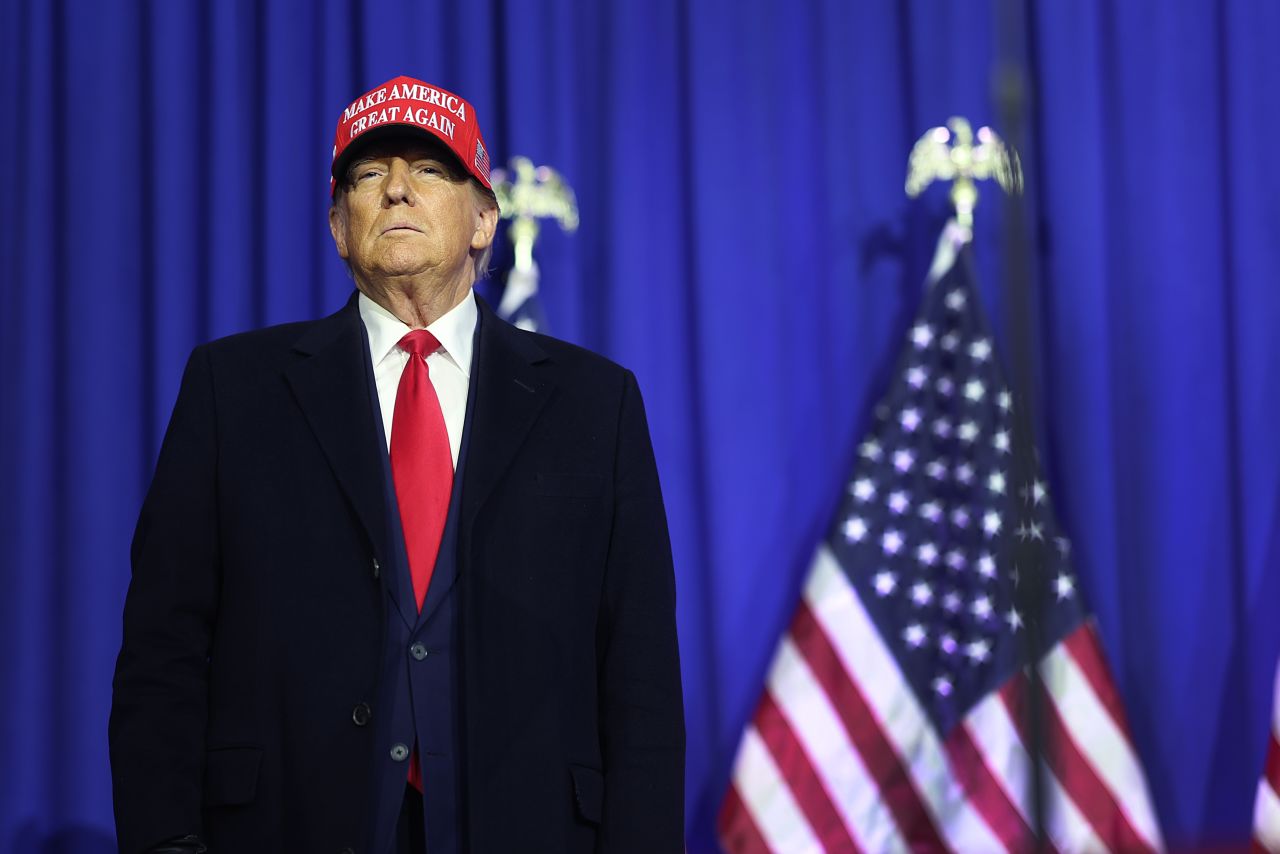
(231, 775)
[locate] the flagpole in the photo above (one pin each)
(1027, 553)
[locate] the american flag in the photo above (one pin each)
(520, 304)
(891, 718)
(1266, 808)
(482, 159)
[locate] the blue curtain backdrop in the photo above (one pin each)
(745, 246)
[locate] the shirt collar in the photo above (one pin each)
(455, 330)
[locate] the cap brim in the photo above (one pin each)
(385, 131)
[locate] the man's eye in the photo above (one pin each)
(429, 169)
(366, 173)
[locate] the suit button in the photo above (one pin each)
(418, 651)
(377, 569)
(399, 752)
(360, 714)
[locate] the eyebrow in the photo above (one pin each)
(412, 157)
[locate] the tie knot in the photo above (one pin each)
(419, 342)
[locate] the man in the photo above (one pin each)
(402, 581)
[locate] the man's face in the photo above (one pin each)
(407, 210)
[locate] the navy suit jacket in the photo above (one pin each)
(268, 669)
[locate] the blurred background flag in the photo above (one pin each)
(520, 304)
(526, 194)
(892, 714)
(1266, 809)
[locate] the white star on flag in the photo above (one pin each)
(978, 650)
(927, 554)
(1064, 586)
(885, 582)
(1001, 442)
(981, 607)
(891, 542)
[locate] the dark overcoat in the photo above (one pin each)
(254, 697)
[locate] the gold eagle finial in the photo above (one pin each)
(949, 154)
(536, 192)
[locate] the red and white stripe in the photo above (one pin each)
(841, 757)
(1266, 809)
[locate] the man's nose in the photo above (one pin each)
(397, 188)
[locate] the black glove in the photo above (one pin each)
(189, 844)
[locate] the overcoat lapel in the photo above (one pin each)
(510, 392)
(331, 388)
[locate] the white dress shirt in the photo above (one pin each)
(450, 366)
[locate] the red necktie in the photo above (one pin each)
(421, 464)
(422, 468)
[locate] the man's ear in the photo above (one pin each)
(486, 226)
(338, 228)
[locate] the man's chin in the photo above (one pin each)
(399, 269)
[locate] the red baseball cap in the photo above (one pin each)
(408, 103)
